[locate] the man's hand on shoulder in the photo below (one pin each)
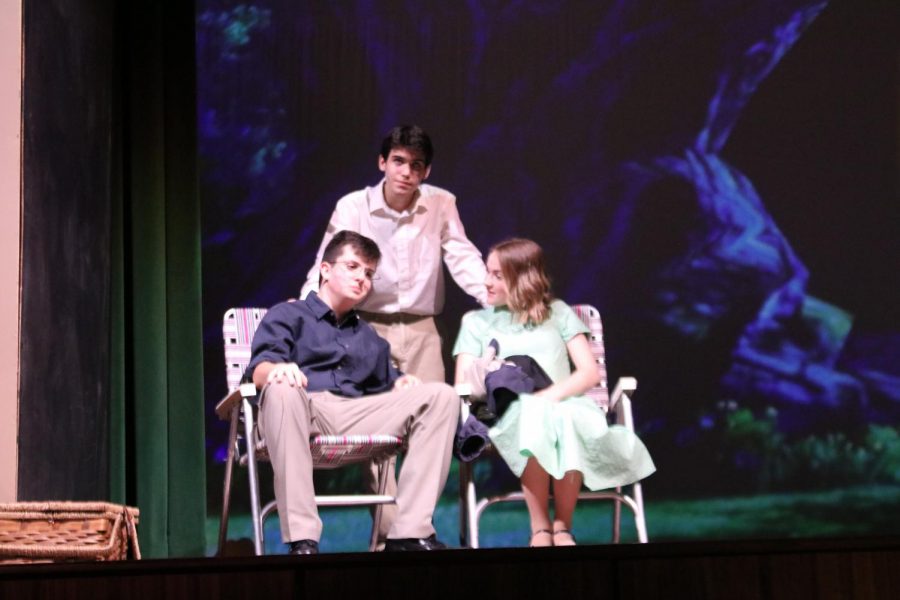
(407, 381)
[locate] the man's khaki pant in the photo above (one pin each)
(415, 343)
(415, 350)
(425, 416)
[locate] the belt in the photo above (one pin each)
(391, 318)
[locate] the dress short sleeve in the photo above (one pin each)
(567, 322)
(471, 334)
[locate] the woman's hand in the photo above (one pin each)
(584, 377)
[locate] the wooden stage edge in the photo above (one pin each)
(809, 568)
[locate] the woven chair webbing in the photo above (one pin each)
(591, 317)
(238, 328)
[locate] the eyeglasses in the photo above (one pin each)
(354, 269)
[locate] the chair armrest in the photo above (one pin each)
(464, 391)
(625, 385)
(226, 404)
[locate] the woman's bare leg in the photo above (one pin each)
(536, 487)
(565, 497)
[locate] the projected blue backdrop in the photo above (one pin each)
(666, 154)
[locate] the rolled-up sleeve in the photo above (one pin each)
(462, 258)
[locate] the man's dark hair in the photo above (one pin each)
(364, 247)
(411, 137)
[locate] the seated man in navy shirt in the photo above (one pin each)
(323, 370)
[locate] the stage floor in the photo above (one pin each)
(770, 569)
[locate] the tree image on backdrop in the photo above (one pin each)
(604, 130)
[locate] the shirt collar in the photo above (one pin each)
(377, 203)
(320, 310)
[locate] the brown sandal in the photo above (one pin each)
(534, 534)
(557, 532)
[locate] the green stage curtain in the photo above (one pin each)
(157, 426)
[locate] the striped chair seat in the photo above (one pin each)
(333, 451)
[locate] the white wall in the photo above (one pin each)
(10, 238)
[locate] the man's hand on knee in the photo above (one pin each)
(407, 381)
(290, 373)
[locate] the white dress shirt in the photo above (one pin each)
(412, 242)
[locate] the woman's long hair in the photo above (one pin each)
(527, 284)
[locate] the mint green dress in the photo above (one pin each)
(571, 435)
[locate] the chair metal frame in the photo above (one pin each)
(471, 507)
(328, 451)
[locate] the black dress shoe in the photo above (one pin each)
(304, 547)
(414, 544)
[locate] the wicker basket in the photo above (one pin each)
(67, 531)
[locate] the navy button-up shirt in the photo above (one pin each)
(346, 358)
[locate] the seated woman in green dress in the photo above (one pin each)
(556, 433)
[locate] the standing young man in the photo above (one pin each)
(417, 227)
